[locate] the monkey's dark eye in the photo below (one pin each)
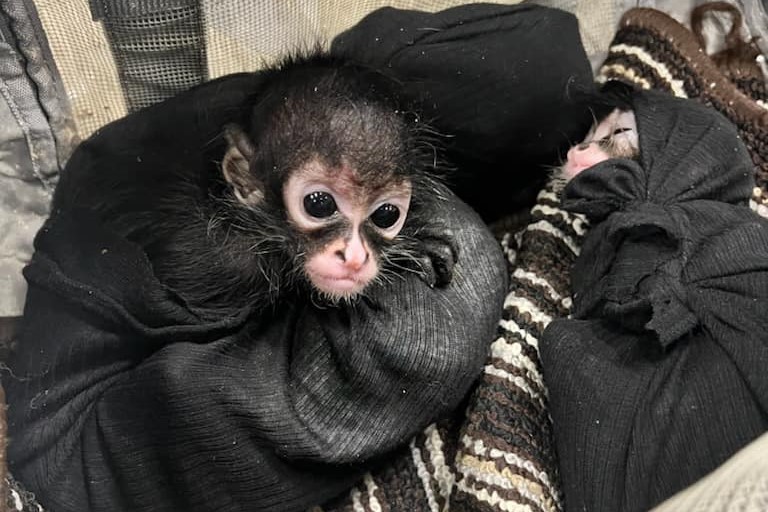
(320, 204)
(617, 131)
(385, 216)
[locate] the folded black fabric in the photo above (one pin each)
(660, 376)
(504, 83)
(122, 398)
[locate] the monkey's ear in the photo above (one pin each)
(235, 166)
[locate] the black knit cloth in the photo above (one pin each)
(661, 375)
(122, 398)
(501, 81)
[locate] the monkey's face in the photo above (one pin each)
(613, 137)
(341, 219)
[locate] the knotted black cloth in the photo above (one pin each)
(122, 398)
(661, 374)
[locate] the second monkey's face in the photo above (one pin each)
(343, 223)
(613, 137)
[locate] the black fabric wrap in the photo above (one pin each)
(121, 398)
(661, 375)
(504, 83)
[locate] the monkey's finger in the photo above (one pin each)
(443, 255)
(428, 273)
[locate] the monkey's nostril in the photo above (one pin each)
(352, 259)
(355, 260)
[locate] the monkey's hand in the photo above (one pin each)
(437, 254)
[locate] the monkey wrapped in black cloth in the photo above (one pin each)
(245, 297)
(660, 374)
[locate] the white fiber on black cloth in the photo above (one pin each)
(121, 398)
(504, 83)
(660, 375)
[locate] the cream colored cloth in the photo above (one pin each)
(741, 484)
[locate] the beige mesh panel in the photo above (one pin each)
(248, 35)
(245, 36)
(85, 62)
(597, 25)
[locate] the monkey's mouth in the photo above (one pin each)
(340, 285)
(570, 170)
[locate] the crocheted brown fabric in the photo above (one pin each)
(738, 60)
(654, 51)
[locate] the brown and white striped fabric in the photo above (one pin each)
(506, 459)
(654, 51)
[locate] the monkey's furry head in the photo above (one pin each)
(322, 126)
(327, 108)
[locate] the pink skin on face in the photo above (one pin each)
(583, 156)
(345, 266)
(619, 128)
